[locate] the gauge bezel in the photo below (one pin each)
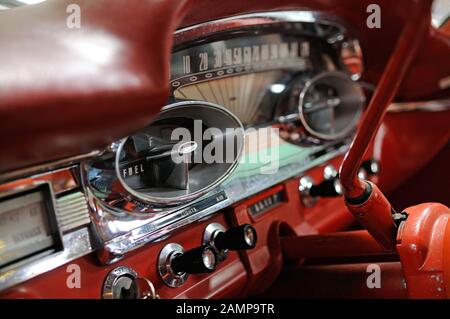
(352, 125)
(162, 201)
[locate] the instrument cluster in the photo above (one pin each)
(255, 100)
(278, 73)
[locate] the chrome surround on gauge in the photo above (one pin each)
(121, 230)
(355, 90)
(159, 201)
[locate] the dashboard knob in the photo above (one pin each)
(328, 188)
(371, 167)
(236, 238)
(198, 260)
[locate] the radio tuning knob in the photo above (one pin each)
(195, 261)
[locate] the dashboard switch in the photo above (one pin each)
(371, 167)
(327, 188)
(175, 265)
(124, 283)
(236, 238)
(195, 261)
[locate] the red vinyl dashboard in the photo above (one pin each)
(87, 112)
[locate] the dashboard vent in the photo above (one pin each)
(72, 211)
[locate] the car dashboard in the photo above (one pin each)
(261, 109)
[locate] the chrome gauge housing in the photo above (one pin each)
(183, 154)
(170, 161)
(322, 108)
(330, 105)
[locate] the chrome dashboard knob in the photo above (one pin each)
(371, 167)
(175, 264)
(236, 238)
(198, 260)
(328, 188)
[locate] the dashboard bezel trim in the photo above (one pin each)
(195, 33)
(200, 30)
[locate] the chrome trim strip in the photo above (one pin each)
(46, 168)
(425, 106)
(254, 19)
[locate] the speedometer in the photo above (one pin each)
(238, 73)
